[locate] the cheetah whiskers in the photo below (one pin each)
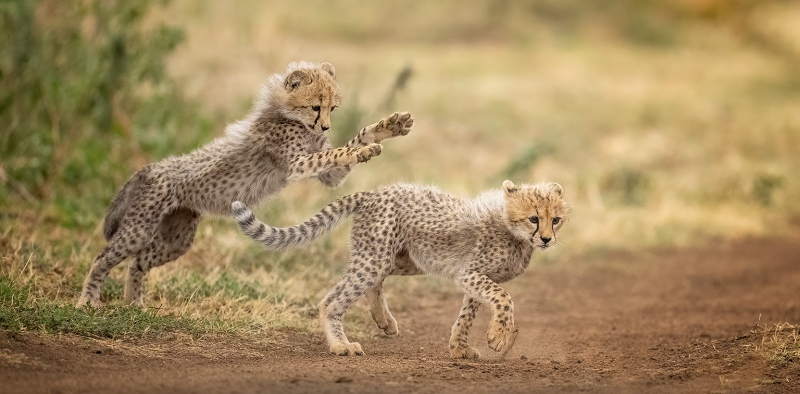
(407, 229)
(153, 219)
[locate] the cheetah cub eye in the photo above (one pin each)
(315, 108)
(534, 219)
(556, 221)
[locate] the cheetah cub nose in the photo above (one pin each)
(545, 240)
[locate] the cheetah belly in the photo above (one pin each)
(217, 199)
(444, 265)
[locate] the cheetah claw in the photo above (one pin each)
(469, 353)
(398, 124)
(368, 152)
(347, 349)
(389, 327)
(501, 338)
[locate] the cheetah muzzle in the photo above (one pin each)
(153, 219)
(405, 229)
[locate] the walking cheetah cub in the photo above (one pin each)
(405, 229)
(154, 217)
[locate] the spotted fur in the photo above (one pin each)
(283, 140)
(405, 229)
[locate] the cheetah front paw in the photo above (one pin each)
(346, 349)
(469, 353)
(365, 153)
(501, 336)
(396, 125)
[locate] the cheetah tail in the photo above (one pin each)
(311, 229)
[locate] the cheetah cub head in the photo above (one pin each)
(307, 93)
(535, 212)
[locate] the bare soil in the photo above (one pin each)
(660, 321)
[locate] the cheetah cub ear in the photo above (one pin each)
(296, 79)
(509, 186)
(329, 68)
(556, 188)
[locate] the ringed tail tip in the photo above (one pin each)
(238, 207)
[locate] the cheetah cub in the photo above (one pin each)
(154, 217)
(405, 229)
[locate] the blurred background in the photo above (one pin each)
(669, 123)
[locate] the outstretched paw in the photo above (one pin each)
(501, 336)
(347, 349)
(397, 124)
(365, 153)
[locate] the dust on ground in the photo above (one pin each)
(658, 321)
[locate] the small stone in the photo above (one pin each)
(344, 379)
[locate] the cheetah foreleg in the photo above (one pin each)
(307, 166)
(502, 331)
(395, 125)
(459, 336)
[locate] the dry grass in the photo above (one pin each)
(661, 136)
(655, 146)
(780, 343)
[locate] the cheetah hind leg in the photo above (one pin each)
(379, 310)
(331, 311)
(348, 290)
(114, 253)
(134, 282)
(173, 239)
(136, 228)
(404, 266)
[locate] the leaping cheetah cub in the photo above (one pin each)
(405, 229)
(154, 217)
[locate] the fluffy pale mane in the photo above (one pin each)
(236, 131)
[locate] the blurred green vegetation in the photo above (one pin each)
(85, 100)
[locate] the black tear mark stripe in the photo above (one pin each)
(319, 112)
(317, 119)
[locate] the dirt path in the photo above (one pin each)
(664, 321)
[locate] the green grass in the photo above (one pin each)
(20, 311)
